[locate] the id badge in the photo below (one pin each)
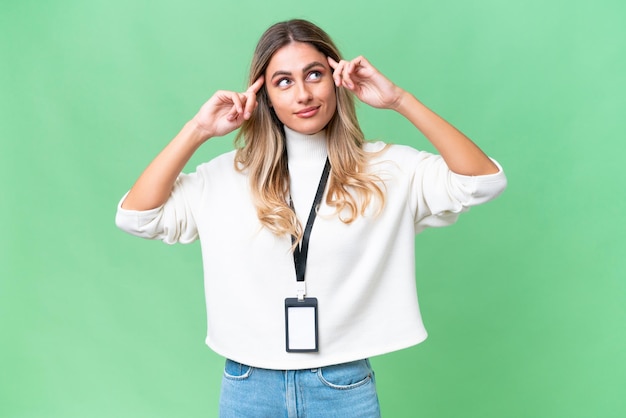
(301, 325)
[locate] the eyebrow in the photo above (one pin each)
(304, 70)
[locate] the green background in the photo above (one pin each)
(524, 299)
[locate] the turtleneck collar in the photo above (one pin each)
(302, 147)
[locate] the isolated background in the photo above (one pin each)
(524, 299)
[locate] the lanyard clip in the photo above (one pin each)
(301, 290)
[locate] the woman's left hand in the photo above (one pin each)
(366, 82)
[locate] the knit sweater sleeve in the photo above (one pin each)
(435, 194)
(174, 221)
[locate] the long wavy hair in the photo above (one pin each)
(262, 150)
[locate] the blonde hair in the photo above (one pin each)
(261, 143)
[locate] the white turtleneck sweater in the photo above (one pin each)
(363, 273)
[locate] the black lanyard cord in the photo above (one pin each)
(300, 252)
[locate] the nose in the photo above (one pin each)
(303, 93)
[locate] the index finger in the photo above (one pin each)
(256, 86)
(332, 62)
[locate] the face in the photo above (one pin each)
(300, 87)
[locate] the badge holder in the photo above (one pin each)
(301, 325)
(301, 334)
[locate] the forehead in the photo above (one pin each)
(294, 57)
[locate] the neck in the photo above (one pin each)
(303, 147)
(307, 156)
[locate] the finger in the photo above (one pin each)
(250, 96)
(256, 86)
(338, 72)
(353, 66)
(353, 69)
(363, 62)
(232, 115)
(251, 104)
(237, 108)
(239, 100)
(333, 64)
(350, 70)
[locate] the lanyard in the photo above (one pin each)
(301, 251)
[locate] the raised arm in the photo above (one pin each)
(460, 154)
(224, 112)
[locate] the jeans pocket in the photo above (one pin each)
(236, 371)
(347, 375)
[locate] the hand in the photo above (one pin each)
(225, 111)
(366, 82)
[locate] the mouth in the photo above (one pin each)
(308, 112)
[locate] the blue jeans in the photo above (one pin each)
(345, 390)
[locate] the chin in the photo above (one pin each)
(307, 129)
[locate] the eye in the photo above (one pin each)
(283, 82)
(314, 75)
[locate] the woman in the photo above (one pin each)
(296, 346)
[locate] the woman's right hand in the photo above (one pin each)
(225, 111)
